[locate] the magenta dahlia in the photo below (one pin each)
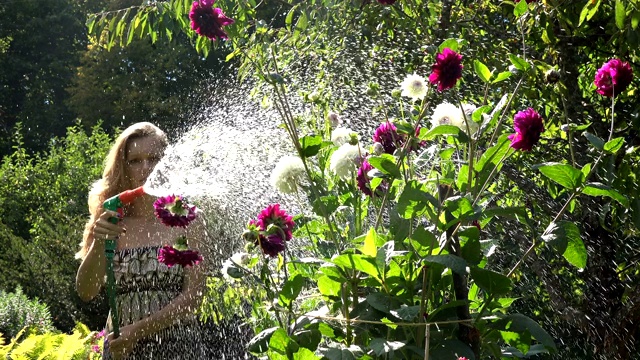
(447, 69)
(528, 125)
(270, 231)
(208, 21)
(174, 211)
(171, 256)
(387, 135)
(613, 78)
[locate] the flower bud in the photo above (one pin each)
(353, 138)
(552, 76)
(334, 119)
(378, 149)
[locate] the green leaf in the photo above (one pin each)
(520, 9)
(290, 290)
(415, 200)
(383, 346)
(260, 342)
(305, 354)
(449, 43)
(341, 352)
(635, 19)
(521, 341)
(387, 164)
(330, 203)
(370, 248)
(564, 236)
(621, 14)
(599, 189)
(406, 313)
(310, 145)
(482, 70)
(453, 262)
(520, 63)
(613, 145)
(383, 302)
(491, 159)
(282, 344)
(366, 264)
(563, 174)
(444, 130)
(597, 142)
(519, 323)
(490, 281)
(502, 76)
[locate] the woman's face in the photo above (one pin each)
(141, 156)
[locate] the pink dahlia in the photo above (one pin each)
(363, 179)
(528, 125)
(173, 210)
(613, 78)
(447, 69)
(170, 256)
(387, 135)
(270, 231)
(207, 20)
(277, 219)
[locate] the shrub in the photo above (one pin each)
(18, 312)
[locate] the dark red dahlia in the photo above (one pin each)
(387, 135)
(528, 125)
(613, 78)
(447, 69)
(174, 211)
(207, 20)
(270, 231)
(363, 179)
(170, 256)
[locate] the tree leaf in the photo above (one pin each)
(502, 76)
(563, 174)
(520, 9)
(444, 130)
(520, 63)
(490, 281)
(599, 189)
(482, 70)
(613, 145)
(449, 43)
(564, 236)
(621, 14)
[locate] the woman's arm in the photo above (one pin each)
(91, 273)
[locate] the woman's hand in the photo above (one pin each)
(104, 229)
(123, 344)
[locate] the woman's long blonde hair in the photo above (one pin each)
(113, 179)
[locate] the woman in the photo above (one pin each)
(156, 304)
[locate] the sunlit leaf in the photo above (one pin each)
(563, 174)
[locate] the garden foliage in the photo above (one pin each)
(420, 235)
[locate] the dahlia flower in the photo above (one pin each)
(387, 135)
(447, 69)
(528, 125)
(170, 256)
(287, 174)
(414, 86)
(341, 135)
(208, 21)
(271, 229)
(344, 160)
(173, 210)
(613, 78)
(449, 114)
